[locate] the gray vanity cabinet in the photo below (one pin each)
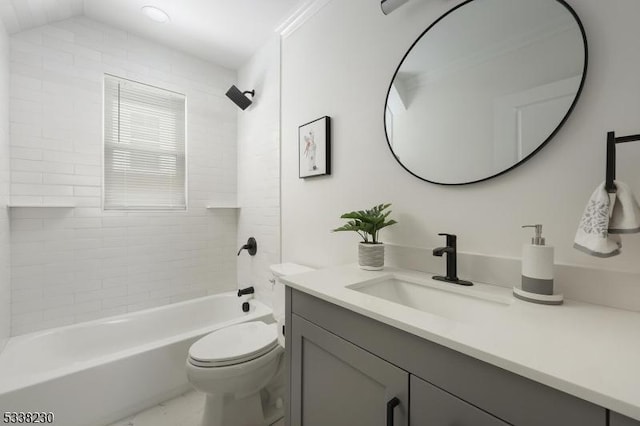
(336, 383)
(620, 420)
(345, 367)
(433, 406)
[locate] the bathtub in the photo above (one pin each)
(97, 372)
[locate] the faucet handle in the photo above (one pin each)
(451, 238)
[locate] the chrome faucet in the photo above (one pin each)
(452, 259)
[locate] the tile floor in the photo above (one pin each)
(184, 410)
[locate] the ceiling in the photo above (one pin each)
(226, 32)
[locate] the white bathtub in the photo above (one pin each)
(95, 373)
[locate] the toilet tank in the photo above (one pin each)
(281, 270)
(284, 269)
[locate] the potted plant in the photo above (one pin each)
(368, 223)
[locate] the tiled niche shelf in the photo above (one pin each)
(40, 206)
(214, 206)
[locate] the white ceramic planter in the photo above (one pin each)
(371, 256)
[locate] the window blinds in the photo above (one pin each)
(144, 146)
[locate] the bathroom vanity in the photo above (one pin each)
(358, 357)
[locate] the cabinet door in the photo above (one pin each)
(433, 406)
(335, 383)
(616, 419)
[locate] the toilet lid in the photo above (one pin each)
(234, 344)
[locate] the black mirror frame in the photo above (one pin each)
(542, 145)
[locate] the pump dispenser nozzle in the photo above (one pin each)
(538, 239)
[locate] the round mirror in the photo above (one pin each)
(484, 88)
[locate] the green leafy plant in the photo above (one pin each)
(367, 223)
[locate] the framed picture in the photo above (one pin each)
(314, 148)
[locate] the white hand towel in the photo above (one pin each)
(593, 235)
(625, 218)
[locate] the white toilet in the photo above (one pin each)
(240, 367)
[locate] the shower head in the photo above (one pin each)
(389, 6)
(239, 97)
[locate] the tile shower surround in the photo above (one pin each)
(76, 264)
(5, 278)
(259, 169)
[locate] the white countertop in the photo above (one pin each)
(590, 351)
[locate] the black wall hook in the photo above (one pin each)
(251, 247)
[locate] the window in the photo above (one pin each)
(144, 146)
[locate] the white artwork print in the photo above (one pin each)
(313, 145)
(310, 151)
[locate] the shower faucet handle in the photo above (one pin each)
(251, 247)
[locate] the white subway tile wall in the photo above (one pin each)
(76, 264)
(5, 277)
(259, 168)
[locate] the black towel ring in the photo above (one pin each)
(612, 140)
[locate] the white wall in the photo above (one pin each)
(340, 63)
(5, 285)
(72, 265)
(259, 168)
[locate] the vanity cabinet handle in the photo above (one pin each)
(391, 404)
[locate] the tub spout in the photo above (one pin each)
(245, 291)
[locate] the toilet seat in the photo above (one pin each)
(234, 344)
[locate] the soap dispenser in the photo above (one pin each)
(537, 272)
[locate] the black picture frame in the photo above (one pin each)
(314, 148)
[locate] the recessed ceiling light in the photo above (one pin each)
(156, 14)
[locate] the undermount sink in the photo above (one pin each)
(438, 298)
